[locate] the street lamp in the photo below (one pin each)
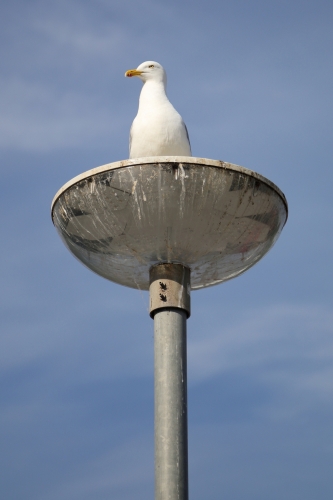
(170, 225)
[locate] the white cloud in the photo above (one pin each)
(85, 41)
(72, 342)
(36, 116)
(127, 467)
(287, 346)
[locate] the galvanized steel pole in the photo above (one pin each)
(170, 308)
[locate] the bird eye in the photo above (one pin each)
(151, 66)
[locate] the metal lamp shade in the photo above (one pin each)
(216, 218)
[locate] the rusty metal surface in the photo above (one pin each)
(169, 287)
(216, 218)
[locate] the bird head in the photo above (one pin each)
(149, 70)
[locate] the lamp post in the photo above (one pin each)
(170, 225)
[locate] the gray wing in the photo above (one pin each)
(130, 140)
(188, 137)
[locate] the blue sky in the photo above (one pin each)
(253, 81)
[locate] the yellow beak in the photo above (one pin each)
(133, 72)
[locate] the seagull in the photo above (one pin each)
(158, 129)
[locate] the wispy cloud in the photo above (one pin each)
(36, 117)
(287, 345)
(126, 468)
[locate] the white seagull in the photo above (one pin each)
(158, 129)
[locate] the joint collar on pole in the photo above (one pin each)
(170, 286)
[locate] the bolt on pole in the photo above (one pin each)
(170, 308)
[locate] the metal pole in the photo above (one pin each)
(171, 470)
(170, 307)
